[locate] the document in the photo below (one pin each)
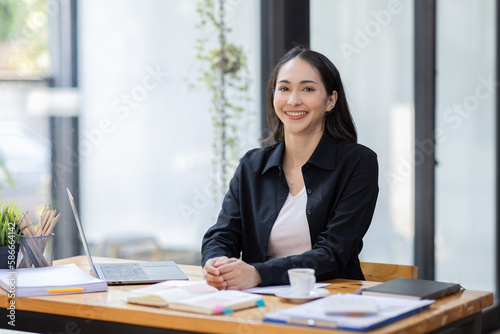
(271, 290)
(316, 313)
(55, 280)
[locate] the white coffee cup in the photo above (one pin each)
(301, 280)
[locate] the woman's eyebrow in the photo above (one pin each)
(302, 82)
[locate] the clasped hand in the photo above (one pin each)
(230, 273)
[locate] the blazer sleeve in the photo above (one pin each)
(225, 237)
(341, 240)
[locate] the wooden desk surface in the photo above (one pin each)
(112, 306)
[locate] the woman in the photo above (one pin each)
(306, 201)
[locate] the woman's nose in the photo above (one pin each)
(294, 99)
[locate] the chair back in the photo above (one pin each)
(383, 272)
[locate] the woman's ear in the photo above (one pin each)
(332, 100)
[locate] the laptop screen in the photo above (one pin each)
(82, 235)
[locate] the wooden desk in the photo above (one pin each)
(108, 312)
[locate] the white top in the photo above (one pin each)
(290, 234)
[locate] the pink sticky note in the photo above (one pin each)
(218, 309)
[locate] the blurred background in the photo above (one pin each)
(119, 101)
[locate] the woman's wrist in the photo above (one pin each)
(258, 279)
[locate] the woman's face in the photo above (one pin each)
(300, 98)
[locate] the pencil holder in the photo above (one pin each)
(36, 251)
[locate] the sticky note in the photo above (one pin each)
(218, 309)
(227, 311)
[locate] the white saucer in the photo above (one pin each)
(287, 293)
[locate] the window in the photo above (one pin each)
(371, 43)
(24, 38)
(465, 119)
(145, 138)
(25, 174)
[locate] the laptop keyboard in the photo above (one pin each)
(122, 271)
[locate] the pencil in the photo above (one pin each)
(63, 290)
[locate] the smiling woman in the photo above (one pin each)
(301, 96)
(327, 78)
(305, 201)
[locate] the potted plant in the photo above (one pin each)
(10, 232)
(224, 71)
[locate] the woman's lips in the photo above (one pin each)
(295, 114)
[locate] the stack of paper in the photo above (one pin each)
(319, 314)
(56, 280)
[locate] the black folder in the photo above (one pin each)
(412, 288)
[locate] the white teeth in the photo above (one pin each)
(299, 113)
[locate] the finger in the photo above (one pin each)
(211, 261)
(230, 266)
(213, 278)
(214, 260)
(208, 269)
(235, 283)
(230, 273)
(240, 276)
(221, 261)
(211, 265)
(220, 286)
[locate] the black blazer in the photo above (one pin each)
(341, 180)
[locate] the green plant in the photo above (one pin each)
(10, 230)
(8, 177)
(224, 72)
(24, 36)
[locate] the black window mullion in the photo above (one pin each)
(425, 101)
(283, 24)
(64, 130)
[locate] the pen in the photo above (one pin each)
(312, 322)
(63, 290)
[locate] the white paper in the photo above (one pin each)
(174, 290)
(166, 285)
(271, 290)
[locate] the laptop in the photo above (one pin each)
(128, 272)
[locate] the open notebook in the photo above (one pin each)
(129, 272)
(196, 297)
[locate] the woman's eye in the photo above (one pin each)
(283, 89)
(309, 89)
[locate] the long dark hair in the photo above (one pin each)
(338, 122)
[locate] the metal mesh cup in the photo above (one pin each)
(36, 251)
